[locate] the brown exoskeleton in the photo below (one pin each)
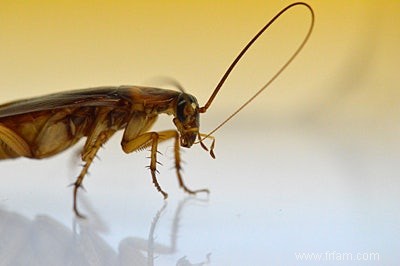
(44, 126)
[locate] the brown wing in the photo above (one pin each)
(99, 96)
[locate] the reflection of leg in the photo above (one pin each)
(176, 226)
(12, 145)
(88, 154)
(178, 169)
(150, 242)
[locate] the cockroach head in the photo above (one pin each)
(187, 119)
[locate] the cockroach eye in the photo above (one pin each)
(186, 106)
(180, 110)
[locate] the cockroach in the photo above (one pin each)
(44, 126)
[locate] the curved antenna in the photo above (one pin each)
(229, 70)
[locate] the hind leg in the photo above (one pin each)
(88, 154)
(12, 145)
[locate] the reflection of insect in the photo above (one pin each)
(44, 126)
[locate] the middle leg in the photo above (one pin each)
(146, 140)
(153, 139)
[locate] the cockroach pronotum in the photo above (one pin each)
(44, 126)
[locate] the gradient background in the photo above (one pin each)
(312, 165)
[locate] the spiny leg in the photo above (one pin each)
(88, 155)
(153, 163)
(178, 169)
(153, 139)
(145, 140)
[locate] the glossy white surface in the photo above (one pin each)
(272, 195)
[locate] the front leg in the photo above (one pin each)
(178, 168)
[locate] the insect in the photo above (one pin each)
(44, 126)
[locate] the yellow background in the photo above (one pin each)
(351, 61)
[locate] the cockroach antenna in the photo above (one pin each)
(237, 59)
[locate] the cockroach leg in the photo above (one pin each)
(143, 141)
(88, 154)
(153, 139)
(178, 168)
(153, 163)
(12, 144)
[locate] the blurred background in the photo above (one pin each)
(312, 165)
